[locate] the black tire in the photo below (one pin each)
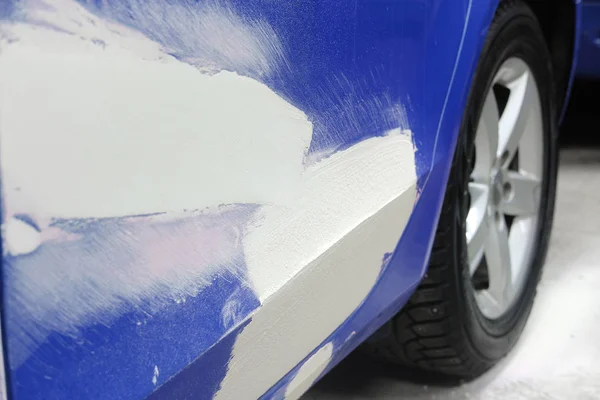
(441, 328)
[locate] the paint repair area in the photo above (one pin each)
(142, 173)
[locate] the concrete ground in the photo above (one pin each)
(558, 356)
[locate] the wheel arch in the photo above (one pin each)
(558, 19)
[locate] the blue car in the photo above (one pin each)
(223, 198)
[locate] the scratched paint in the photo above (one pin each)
(136, 185)
(209, 34)
(113, 266)
(155, 375)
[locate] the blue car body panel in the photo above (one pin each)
(346, 63)
(588, 54)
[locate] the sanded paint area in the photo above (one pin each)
(162, 203)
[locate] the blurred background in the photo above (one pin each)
(558, 356)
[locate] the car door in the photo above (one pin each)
(197, 194)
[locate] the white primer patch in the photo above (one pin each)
(154, 128)
(335, 196)
(65, 27)
(309, 372)
(296, 319)
(20, 237)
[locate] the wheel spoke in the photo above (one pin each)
(523, 195)
(486, 139)
(512, 70)
(512, 190)
(477, 227)
(497, 255)
(516, 116)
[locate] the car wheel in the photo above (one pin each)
(495, 223)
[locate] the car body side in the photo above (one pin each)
(588, 54)
(352, 77)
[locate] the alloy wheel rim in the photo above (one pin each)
(504, 189)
